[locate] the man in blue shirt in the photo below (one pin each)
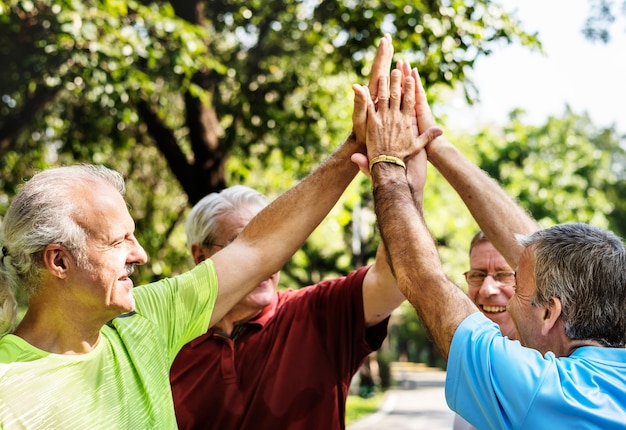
(568, 368)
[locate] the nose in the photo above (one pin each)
(489, 287)
(137, 254)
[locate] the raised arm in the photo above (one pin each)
(497, 214)
(381, 294)
(440, 305)
(277, 232)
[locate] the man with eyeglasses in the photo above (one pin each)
(491, 283)
(567, 369)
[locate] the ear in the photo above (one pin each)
(198, 252)
(551, 315)
(57, 259)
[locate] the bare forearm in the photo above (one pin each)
(381, 294)
(497, 214)
(270, 239)
(440, 305)
(289, 220)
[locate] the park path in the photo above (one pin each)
(417, 403)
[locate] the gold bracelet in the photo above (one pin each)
(387, 159)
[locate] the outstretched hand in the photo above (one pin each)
(381, 65)
(423, 114)
(380, 68)
(390, 126)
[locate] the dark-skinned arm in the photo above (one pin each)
(440, 304)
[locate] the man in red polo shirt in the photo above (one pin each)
(280, 359)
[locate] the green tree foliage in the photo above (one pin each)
(566, 170)
(186, 97)
(602, 16)
(560, 171)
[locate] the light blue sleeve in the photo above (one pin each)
(492, 381)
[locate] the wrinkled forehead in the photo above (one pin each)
(526, 265)
(101, 207)
(527, 255)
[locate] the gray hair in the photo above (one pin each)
(585, 267)
(40, 214)
(479, 237)
(203, 222)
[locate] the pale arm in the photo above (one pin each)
(277, 232)
(381, 294)
(497, 214)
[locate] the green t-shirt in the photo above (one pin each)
(124, 382)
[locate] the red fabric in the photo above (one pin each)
(290, 369)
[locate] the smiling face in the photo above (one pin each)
(103, 284)
(492, 297)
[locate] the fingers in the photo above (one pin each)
(359, 114)
(381, 65)
(408, 97)
(395, 92)
(404, 67)
(392, 110)
(408, 102)
(383, 93)
(424, 115)
(429, 135)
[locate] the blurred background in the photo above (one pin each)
(187, 97)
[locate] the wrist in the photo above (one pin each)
(437, 149)
(389, 175)
(387, 159)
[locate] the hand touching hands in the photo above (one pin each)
(390, 126)
(380, 68)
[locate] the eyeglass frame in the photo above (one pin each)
(495, 275)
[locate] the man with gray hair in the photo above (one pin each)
(93, 352)
(279, 358)
(569, 308)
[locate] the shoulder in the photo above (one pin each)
(15, 349)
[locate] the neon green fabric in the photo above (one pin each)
(124, 382)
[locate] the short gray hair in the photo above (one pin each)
(40, 214)
(479, 237)
(203, 222)
(585, 267)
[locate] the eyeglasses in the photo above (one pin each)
(477, 277)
